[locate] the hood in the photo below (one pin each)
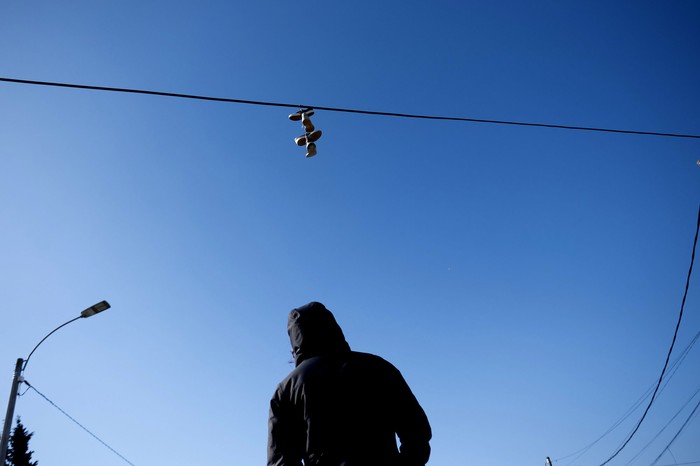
(313, 331)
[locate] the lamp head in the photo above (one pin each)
(95, 309)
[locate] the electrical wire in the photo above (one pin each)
(670, 350)
(23, 393)
(685, 424)
(680, 464)
(345, 110)
(672, 455)
(673, 368)
(658, 434)
(79, 424)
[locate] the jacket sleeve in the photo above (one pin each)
(412, 426)
(285, 440)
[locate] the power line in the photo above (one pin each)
(344, 110)
(79, 424)
(670, 350)
(681, 464)
(658, 434)
(673, 368)
(685, 424)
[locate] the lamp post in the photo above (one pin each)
(21, 364)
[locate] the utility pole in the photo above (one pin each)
(548, 462)
(16, 380)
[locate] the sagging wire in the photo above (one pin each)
(685, 424)
(671, 372)
(346, 110)
(663, 428)
(670, 350)
(79, 424)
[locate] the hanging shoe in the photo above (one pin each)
(313, 137)
(296, 116)
(301, 140)
(310, 150)
(306, 121)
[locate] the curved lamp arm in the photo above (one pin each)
(21, 365)
(91, 311)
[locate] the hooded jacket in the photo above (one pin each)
(340, 407)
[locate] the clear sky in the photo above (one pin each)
(526, 281)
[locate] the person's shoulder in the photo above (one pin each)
(306, 369)
(366, 356)
(286, 389)
(297, 372)
(371, 359)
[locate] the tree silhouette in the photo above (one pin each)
(18, 453)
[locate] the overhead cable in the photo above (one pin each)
(670, 350)
(685, 424)
(345, 110)
(680, 464)
(658, 434)
(79, 424)
(673, 368)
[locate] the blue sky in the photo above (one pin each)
(526, 281)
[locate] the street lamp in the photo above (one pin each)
(19, 369)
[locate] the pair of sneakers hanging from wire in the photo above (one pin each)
(311, 134)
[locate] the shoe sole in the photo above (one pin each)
(310, 150)
(307, 124)
(313, 137)
(296, 116)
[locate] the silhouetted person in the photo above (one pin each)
(339, 407)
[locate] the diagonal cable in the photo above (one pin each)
(673, 368)
(658, 434)
(345, 110)
(681, 464)
(670, 350)
(79, 424)
(685, 424)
